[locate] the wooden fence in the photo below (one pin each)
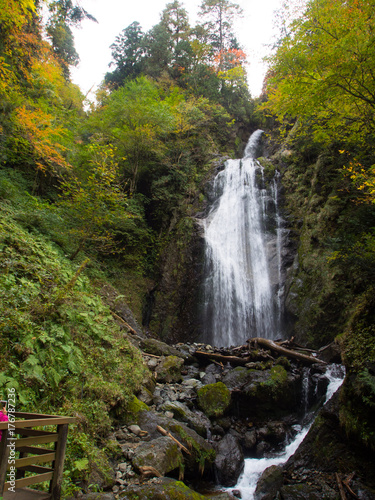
(21, 453)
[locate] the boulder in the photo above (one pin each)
(264, 394)
(269, 483)
(229, 461)
(169, 369)
(161, 489)
(214, 399)
(194, 419)
(307, 492)
(202, 453)
(159, 348)
(162, 453)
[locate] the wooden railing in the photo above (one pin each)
(20, 453)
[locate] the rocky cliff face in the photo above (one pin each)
(173, 310)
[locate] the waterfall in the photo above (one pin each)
(243, 238)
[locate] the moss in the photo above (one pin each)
(167, 489)
(169, 369)
(357, 409)
(214, 399)
(283, 361)
(133, 409)
(202, 453)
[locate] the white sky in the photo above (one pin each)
(92, 40)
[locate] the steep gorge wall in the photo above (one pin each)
(329, 289)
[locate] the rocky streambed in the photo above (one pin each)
(197, 417)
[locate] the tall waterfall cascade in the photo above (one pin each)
(243, 287)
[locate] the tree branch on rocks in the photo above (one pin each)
(272, 346)
(168, 434)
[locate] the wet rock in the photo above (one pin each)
(250, 440)
(159, 348)
(169, 369)
(161, 489)
(273, 433)
(269, 483)
(229, 461)
(162, 453)
(306, 492)
(196, 420)
(214, 399)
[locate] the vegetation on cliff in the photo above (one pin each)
(320, 89)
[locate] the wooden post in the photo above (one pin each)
(4, 453)
(58, 464)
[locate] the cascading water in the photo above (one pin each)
(242, 289)
(255, 467)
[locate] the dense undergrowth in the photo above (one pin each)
(62, 350)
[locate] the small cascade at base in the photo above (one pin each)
(254, 467)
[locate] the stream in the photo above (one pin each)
(254, 467)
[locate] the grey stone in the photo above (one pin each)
(162, 453)
(229, 461)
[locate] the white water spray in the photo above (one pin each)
(255, 467)
(240, 301)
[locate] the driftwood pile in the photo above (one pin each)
(259, 349)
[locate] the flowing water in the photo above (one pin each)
(243, 289)
(255, 467)
(243, 238)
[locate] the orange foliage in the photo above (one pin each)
(36, 126)
(228, 59)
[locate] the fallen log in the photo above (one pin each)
(148, 471)
(131, 330)
(222, 358)
(341, 487)
(168, 434)
(289, 353)
(346, 482)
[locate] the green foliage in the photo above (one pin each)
(63, 15)
(61, 349)
(218, 16)
(327, 60)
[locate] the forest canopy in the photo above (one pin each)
(322, 72)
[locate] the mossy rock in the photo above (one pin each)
(214, 399)
(163, 454)
(169, 369)
(164, 489)
(158, 348)
(202, 453)
(195, 419)
(133, 409)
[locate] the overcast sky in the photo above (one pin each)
(92, 40)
